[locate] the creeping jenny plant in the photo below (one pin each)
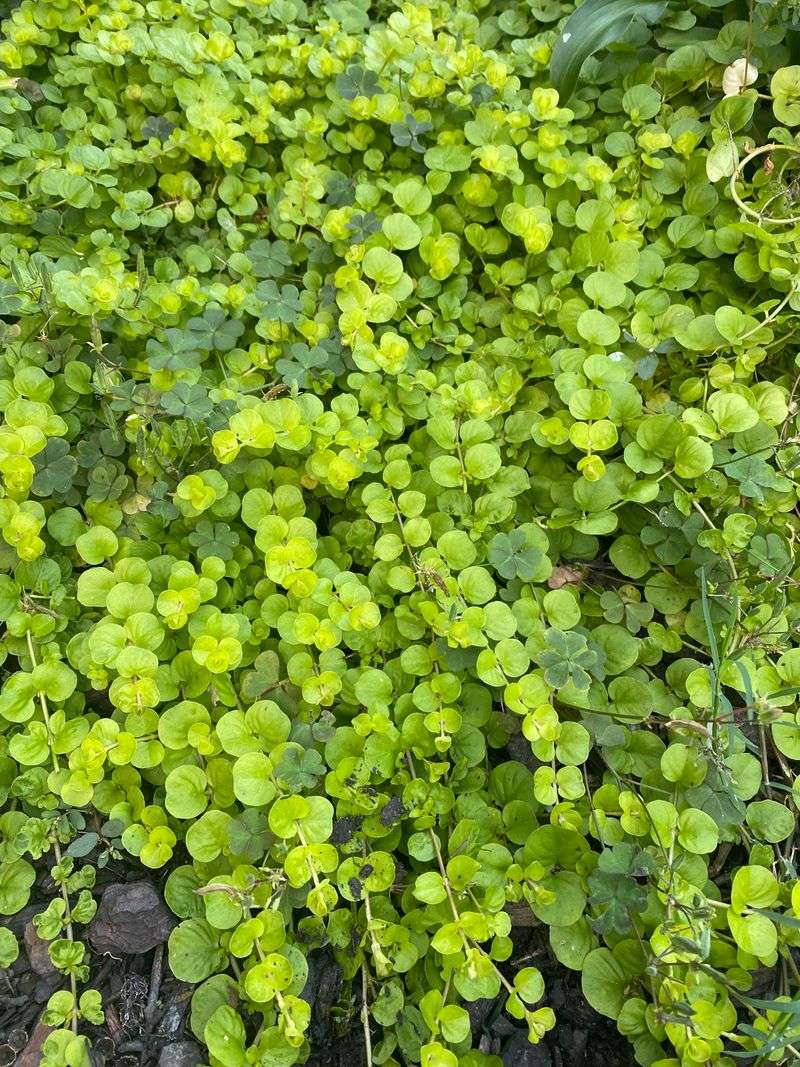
(399, 511)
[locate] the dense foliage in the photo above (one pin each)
(399, 508)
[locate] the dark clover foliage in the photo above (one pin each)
(407, 134)
(357, 81)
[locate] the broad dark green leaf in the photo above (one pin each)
(595, 25)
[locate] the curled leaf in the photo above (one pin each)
(738, 75)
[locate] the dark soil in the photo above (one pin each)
(147, 1010)
(582, 1038)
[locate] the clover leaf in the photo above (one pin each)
(356, 81)
(281, 304)
(511, 555)
(616, 886)
(187, 401)
(213, 330)
(568, 658)
(56, 468)
(406, 134)
(269, 259)
(213, 539)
